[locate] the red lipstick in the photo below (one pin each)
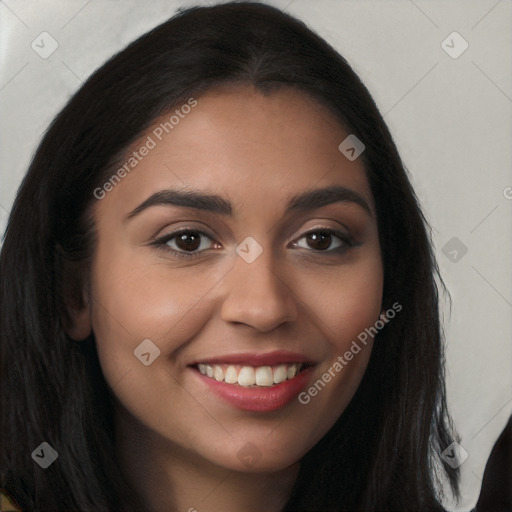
(259, 399)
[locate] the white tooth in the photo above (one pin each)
(264, 376)
(280, 374)
(292, 371)
(246, 376)
(202, 368)
(231, 376)
(218, 373)
(209, 371)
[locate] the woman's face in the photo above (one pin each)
(212, 340)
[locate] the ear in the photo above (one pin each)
(78, 323)
(76, 311)
(79, 326)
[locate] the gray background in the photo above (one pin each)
(451, 118)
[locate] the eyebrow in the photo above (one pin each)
(308, 200)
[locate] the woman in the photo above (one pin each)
(228, 298)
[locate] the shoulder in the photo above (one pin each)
(7, 502)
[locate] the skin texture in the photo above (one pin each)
(178, 442)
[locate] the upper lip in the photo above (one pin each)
(257, 359)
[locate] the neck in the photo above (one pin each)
(168, 478)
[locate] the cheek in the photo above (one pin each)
(344, 301)
(345, 306)
(133, 300)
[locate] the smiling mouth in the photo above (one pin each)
(251, 376)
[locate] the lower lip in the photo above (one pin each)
(259, 399)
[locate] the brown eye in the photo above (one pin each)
(188, 241)
(324, 240)
(319, 240)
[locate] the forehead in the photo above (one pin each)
(254, 149)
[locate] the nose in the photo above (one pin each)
(256, 295)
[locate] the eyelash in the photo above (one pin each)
(162, 241)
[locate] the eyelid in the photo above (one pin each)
(335, 231)
(178, 231)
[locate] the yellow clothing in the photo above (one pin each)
(7, 503)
